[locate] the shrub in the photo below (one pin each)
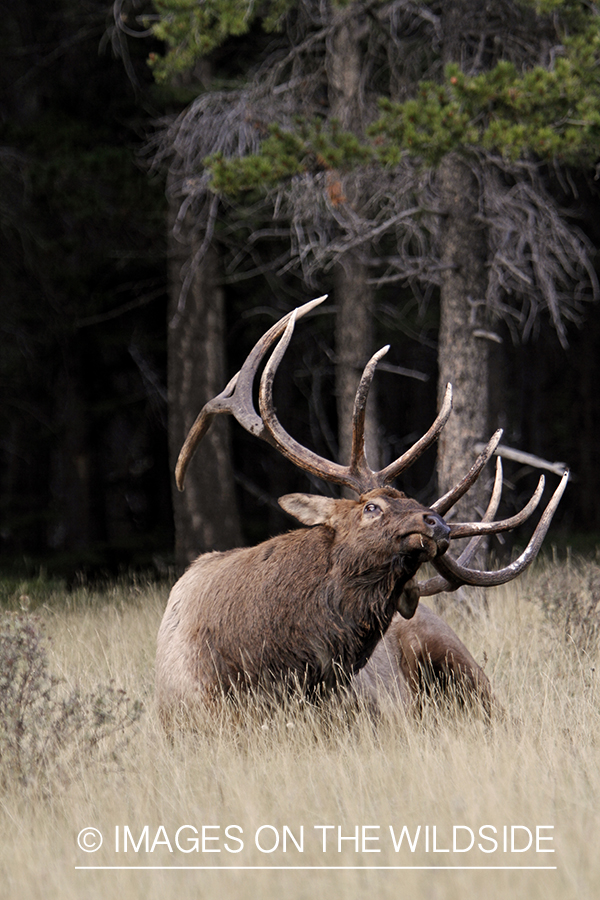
(45, 727)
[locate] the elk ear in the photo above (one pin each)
(310, 509)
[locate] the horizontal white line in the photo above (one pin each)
(326, 868)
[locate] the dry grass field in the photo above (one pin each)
(247, 796)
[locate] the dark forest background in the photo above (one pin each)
(86, 481)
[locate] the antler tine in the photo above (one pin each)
(413, 453)
(358, 461)
(215, 406)
(290, 448)
(236, 398)
(357, 476)
(448, 500)
(359, 468)
(458, 574)
(468, 529)
(437, 584)
(469, 551)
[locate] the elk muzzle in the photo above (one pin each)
(440, 531)
(425, 536)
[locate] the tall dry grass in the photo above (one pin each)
(303, 767)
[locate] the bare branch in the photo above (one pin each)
(527, 459)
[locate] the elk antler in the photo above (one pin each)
(236, 399)
(357, 475)
(455, 572)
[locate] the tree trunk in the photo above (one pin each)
(206, 516)
(463, 356)
(354, 347)
(354, 297)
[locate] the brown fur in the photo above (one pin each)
(420, 654)
(309, 607)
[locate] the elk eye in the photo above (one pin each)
(372, 509)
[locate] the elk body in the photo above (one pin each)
(334, 603)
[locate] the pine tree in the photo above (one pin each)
(439, 180)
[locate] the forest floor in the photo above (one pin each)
(299, 802)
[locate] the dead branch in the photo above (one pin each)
(526, 459)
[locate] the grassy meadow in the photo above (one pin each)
(253, 788)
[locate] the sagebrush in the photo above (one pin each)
(43, 724)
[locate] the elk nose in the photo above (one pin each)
(440, 531)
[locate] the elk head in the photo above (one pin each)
(424, 535)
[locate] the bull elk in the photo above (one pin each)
(334, 603)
